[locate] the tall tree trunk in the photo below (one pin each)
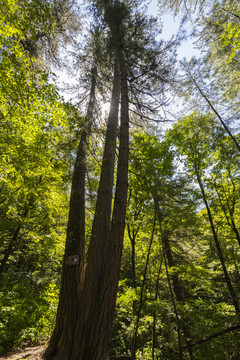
(95, 320)
(218, 247)
(115, 245)
(60, 345)
(86, 338)
(96, 300)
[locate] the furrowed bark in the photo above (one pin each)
(60, 345)
(91, 307)
(108, 294)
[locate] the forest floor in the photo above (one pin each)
(29, 353)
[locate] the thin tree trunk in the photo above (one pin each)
(134, 339)
(219, 250)
(231, 13)
(175, 308)
(132, 234)
(216, 113)
(235, 264)
(177, 288)
(9, 250)
(231, 221)
(60, 345)
(154, 312)
(213, 336)
(132, 238)
(15, 237)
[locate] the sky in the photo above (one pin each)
(171, 25)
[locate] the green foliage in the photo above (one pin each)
(36, 141)
(34, 199)
(231, 36)
(205, 307)
(219, 38)
(27, 313)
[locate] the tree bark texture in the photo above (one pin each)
(85, 327)
(99, 293)
(89, 303)
(60, 345)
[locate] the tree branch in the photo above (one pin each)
(213, 336)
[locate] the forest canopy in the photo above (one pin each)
(119, 181)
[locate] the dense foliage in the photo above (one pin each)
(179, 289)
(36, 141)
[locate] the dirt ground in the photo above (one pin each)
(30, 353)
